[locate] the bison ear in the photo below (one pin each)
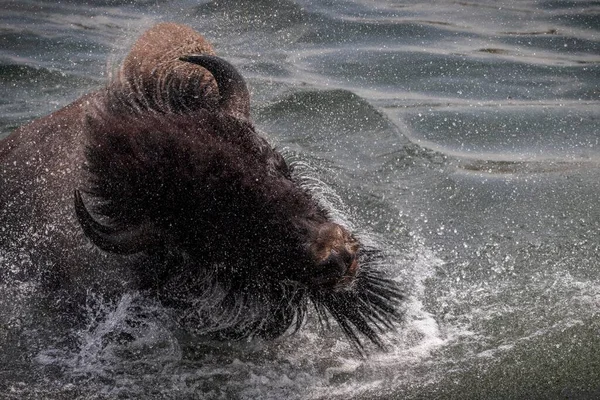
(235, 98)
(125, 241)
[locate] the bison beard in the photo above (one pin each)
(218, 225)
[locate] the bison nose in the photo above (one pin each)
(334, 252)
(334, 265)
(338, 267)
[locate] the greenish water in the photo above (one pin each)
(463, 137)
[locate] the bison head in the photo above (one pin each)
(218, 224)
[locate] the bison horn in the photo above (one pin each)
(235, 98)
(113, 240)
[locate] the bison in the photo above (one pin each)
(159, 183)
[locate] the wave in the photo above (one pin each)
(19, 73)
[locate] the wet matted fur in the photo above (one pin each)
(164, 173)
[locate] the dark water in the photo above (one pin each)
(461, 136)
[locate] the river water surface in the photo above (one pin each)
(460, 136)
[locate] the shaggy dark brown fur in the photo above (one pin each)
(186, 202)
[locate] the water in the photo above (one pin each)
(460, 136)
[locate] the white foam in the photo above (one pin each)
(132, 329)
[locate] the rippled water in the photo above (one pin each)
(460, 136)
